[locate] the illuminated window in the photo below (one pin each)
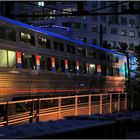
(132, 33)
(131, 23)
(123, 32)
(27, 38)
(92, 68)
(3, 58)
(41, 3)
(12, 59)
(7, 58)
(43, 42)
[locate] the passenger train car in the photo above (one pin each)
(37, 63)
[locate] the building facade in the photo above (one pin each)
(104, 30)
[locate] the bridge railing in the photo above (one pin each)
(44, 109)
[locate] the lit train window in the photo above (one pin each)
(27, 38)
(43, 42)
(92, 68)
(7, 58)
(3, 58)
(12, 59)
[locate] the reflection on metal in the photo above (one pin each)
(44, 109)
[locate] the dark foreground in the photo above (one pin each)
(119, 125)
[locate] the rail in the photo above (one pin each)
(43, 109)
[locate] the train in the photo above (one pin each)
(35, 62)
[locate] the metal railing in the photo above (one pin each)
(44, 109)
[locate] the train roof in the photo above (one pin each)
(37, 29)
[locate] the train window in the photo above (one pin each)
(43, 42)
(2, 33)
(70, 49)
(57, 66)
(55, 45)
(103, 70)
(110, 71)
(92, 68)
(12, 59)
(49, 63)
(115, 59)
(11, 35)
(42, 63)
(109, 58)
(48, 44)
(102, 56)
(27, 38)
(3, 58)
(81, 51)
(25, 62)
(62, 63)
(72, 66)
(91, 54)
(116, 71)
(8, 34)
(58, 46)
(82, 68)
(61, 46)
(32, 61)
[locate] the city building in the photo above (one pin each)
(105, 30)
